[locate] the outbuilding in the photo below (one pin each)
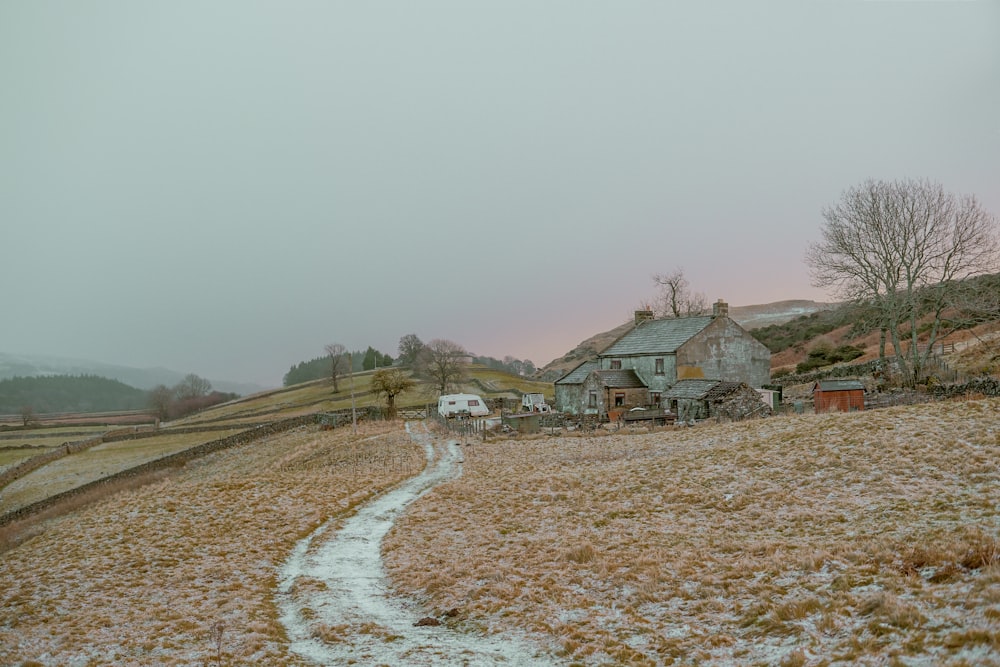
(839, 396)
(698, 399)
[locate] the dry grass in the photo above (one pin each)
(148, 575)
(11, 455)
(869, 538)
(864, 538)
(97, 462)
(16, 446)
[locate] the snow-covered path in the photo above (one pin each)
(340, 589)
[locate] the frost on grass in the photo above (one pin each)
(182, 572)
(868, 538)
(814, 539)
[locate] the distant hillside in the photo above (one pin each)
(779, 312)
(750, 317)
(65, 393)
(20, 365)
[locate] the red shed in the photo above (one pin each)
(842, 395)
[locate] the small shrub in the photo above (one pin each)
(581, 554)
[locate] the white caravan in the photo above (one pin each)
(462, 405)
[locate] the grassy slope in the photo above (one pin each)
(307, 398)
(318, 396)
(105, 459)
(142, 577)
(15, 446)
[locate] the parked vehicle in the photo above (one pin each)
(534, 403)
(462, 405)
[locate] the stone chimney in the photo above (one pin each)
(720, 309)
(643, 316)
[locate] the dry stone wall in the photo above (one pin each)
(175, 460)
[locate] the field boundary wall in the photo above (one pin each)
(175, 460)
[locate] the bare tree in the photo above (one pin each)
(443, 362)
(338, 362)
(160, 400)
(410, 347)
(28, 416)
(192, 386)
(675, 298)
(391, 382)
(903, 247)
(977, 301)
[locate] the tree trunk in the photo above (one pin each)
(904, 366)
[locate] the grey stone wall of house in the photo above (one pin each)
(725, 351)
(690, 409)
(632, 396)
(592, 383)
(645, 367)
(569, 398)
(744, 403)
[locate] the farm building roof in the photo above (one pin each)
(701, 390)
(839, 385)
(657, 336)
(690, 389)
(722, 389)
(579, 374)
(620, 379)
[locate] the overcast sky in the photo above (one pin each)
(225, 187)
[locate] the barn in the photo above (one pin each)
(839, 395)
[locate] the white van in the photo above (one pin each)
(462, 405)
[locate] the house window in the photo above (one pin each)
(654, 398)
(619, 399)
(659, 366)
(616, 364)
(593, 399)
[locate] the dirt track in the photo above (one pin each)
(334, 598)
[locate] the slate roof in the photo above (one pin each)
(839, 385)
(721, 390)
(701, 390)
(620, 379)
(662, 336)
(579, 374)
(694, 389)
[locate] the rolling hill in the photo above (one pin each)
(29, 365)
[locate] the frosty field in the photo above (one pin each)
(868, 538)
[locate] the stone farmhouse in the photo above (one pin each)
(639, 368)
